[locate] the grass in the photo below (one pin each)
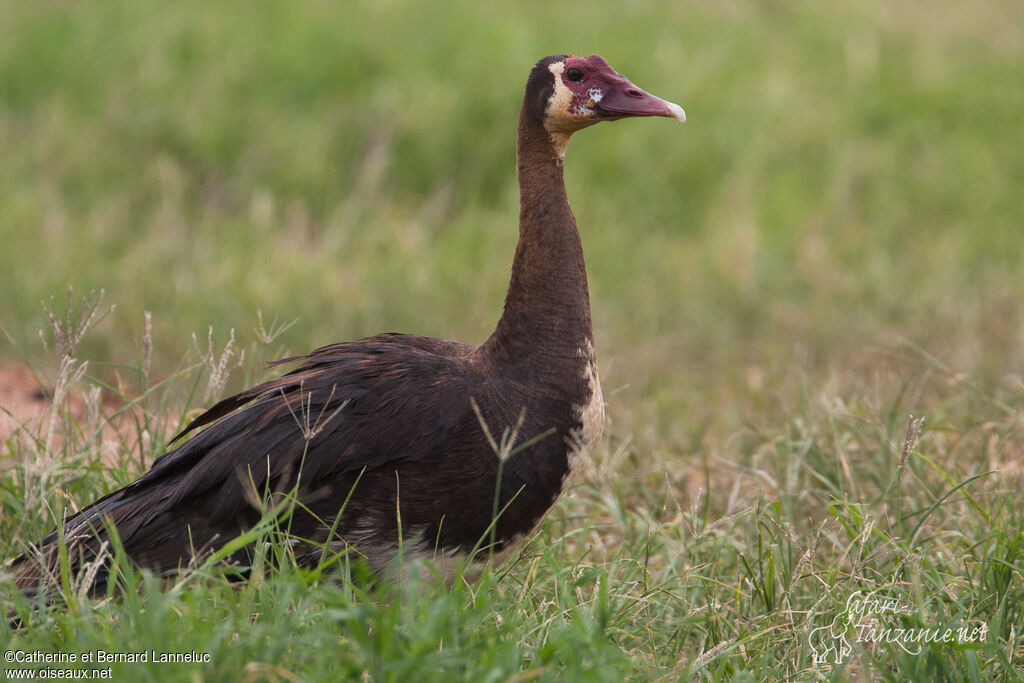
(829, 246)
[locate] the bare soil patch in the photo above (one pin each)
(25, 404)
(22, 400)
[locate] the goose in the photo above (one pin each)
(399, 447)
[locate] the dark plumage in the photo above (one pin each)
(395, 424)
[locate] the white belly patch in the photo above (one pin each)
(590, 415)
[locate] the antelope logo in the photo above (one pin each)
(829, 644)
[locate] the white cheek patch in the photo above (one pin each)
(559, 101)
(561, 97)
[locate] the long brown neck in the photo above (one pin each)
(547, 308)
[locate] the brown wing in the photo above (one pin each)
(368, 404)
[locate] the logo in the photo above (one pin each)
(879, 619)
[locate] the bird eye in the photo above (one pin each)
(574, 75)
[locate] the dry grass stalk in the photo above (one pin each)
(910, 439)
(216, 368)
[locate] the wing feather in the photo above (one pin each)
(324, 417)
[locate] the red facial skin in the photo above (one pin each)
(606, 95)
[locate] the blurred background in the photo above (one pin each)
(843, 208)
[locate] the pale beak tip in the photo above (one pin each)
(677, 112)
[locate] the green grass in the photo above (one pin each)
(831, 244)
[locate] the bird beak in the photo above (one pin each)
(624, 99)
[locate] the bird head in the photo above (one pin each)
(570, 93)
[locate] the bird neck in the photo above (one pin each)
(547, 308)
